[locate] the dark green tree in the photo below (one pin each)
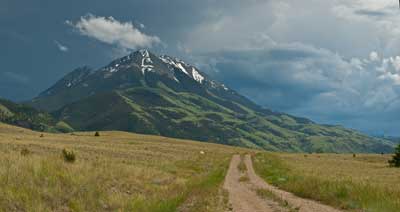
(395, 162)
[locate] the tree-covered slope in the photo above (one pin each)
(165, 96)
(29, 117)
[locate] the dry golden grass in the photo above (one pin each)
(113, 172)
(367, 168)
(364, 182)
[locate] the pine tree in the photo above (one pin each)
(395, 162)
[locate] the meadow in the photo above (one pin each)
(115, 171)
(120, 171)
(360, 182)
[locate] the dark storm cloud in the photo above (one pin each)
(282, 78)
(371, 13)
(312, 82)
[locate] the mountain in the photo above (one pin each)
(28, 117)
(163, 95)
(395, 140)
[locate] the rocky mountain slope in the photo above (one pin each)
(162, 95)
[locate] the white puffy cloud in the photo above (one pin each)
(112, 31)
(373, 56)
(390, 70)
(61, 47)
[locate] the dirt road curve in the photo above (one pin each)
(243, 196)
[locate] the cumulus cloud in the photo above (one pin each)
(332, 61)
(373, 56)
(111, 31)
(61, 47)
(313, 82)
(382, 17)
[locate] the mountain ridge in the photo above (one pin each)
(25, 116)
(163, 95)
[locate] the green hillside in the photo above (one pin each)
(28, 117)
(161, 111)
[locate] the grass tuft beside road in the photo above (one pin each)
(362, 183)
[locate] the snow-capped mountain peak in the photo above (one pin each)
(138, 67)
(144, 52)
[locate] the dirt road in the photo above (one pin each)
(243, 185)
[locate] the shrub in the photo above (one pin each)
(395, 162)
(97, 134)
(25, 152)
(354, 155)
(68, 155)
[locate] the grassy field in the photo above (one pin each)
(360, 183)
(113, 172)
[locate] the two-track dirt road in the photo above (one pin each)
(243, 195)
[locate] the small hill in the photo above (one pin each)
(28, 117)
(396, 140)
(163, 95)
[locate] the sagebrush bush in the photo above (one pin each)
(25, 152)
(68, 155)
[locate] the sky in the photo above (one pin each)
(335, 62)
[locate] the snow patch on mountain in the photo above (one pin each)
(196, 76)
(166, 60)
(213, 84)
(180, 66)
(176, 63)
(144, 53)
(147, 63)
